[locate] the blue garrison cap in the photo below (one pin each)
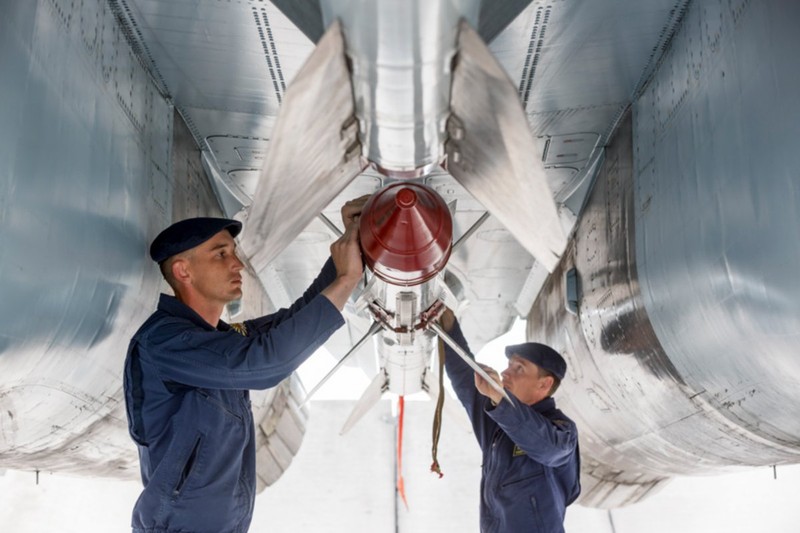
(541, 355)
(187, 234)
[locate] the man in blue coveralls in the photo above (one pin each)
(531, 462)
(187, 373)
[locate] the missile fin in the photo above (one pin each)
(370, 397)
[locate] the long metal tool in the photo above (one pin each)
(469, 360)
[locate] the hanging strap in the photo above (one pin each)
(437, 417)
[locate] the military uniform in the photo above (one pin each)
(531, 462)
(186, 390)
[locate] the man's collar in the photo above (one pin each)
(542, 406)
(173, 306)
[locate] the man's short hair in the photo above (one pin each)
(166, 269)
(556, 382)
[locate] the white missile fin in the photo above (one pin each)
(371, 396)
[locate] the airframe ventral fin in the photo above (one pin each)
(314, 153)
(491, 151)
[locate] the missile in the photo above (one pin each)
(406, 234)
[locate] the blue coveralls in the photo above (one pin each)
(531, 462)
(189, 409)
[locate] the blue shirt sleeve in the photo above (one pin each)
(462, 377)
(273, 348)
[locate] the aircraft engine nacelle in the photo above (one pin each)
(406, 233)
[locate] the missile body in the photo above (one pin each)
(406, 236)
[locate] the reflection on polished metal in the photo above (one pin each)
(94, 163)
(682, 359)
(400, 53)
(491, 151)
(611, 323)
(683, 355)
(75, 222)
(314, 139)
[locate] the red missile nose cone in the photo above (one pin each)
(406, 198)
(406, 233)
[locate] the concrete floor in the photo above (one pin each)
(347, 484)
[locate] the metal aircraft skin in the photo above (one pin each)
(636, 160)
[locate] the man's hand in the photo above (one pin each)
(346, 255)
(483, 386)
(352, 209)
(447, 320)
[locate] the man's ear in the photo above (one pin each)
(180, 271)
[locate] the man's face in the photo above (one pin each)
(215, 269)
(522, 379)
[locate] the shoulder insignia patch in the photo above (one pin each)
(240, 328)
(517, 451)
